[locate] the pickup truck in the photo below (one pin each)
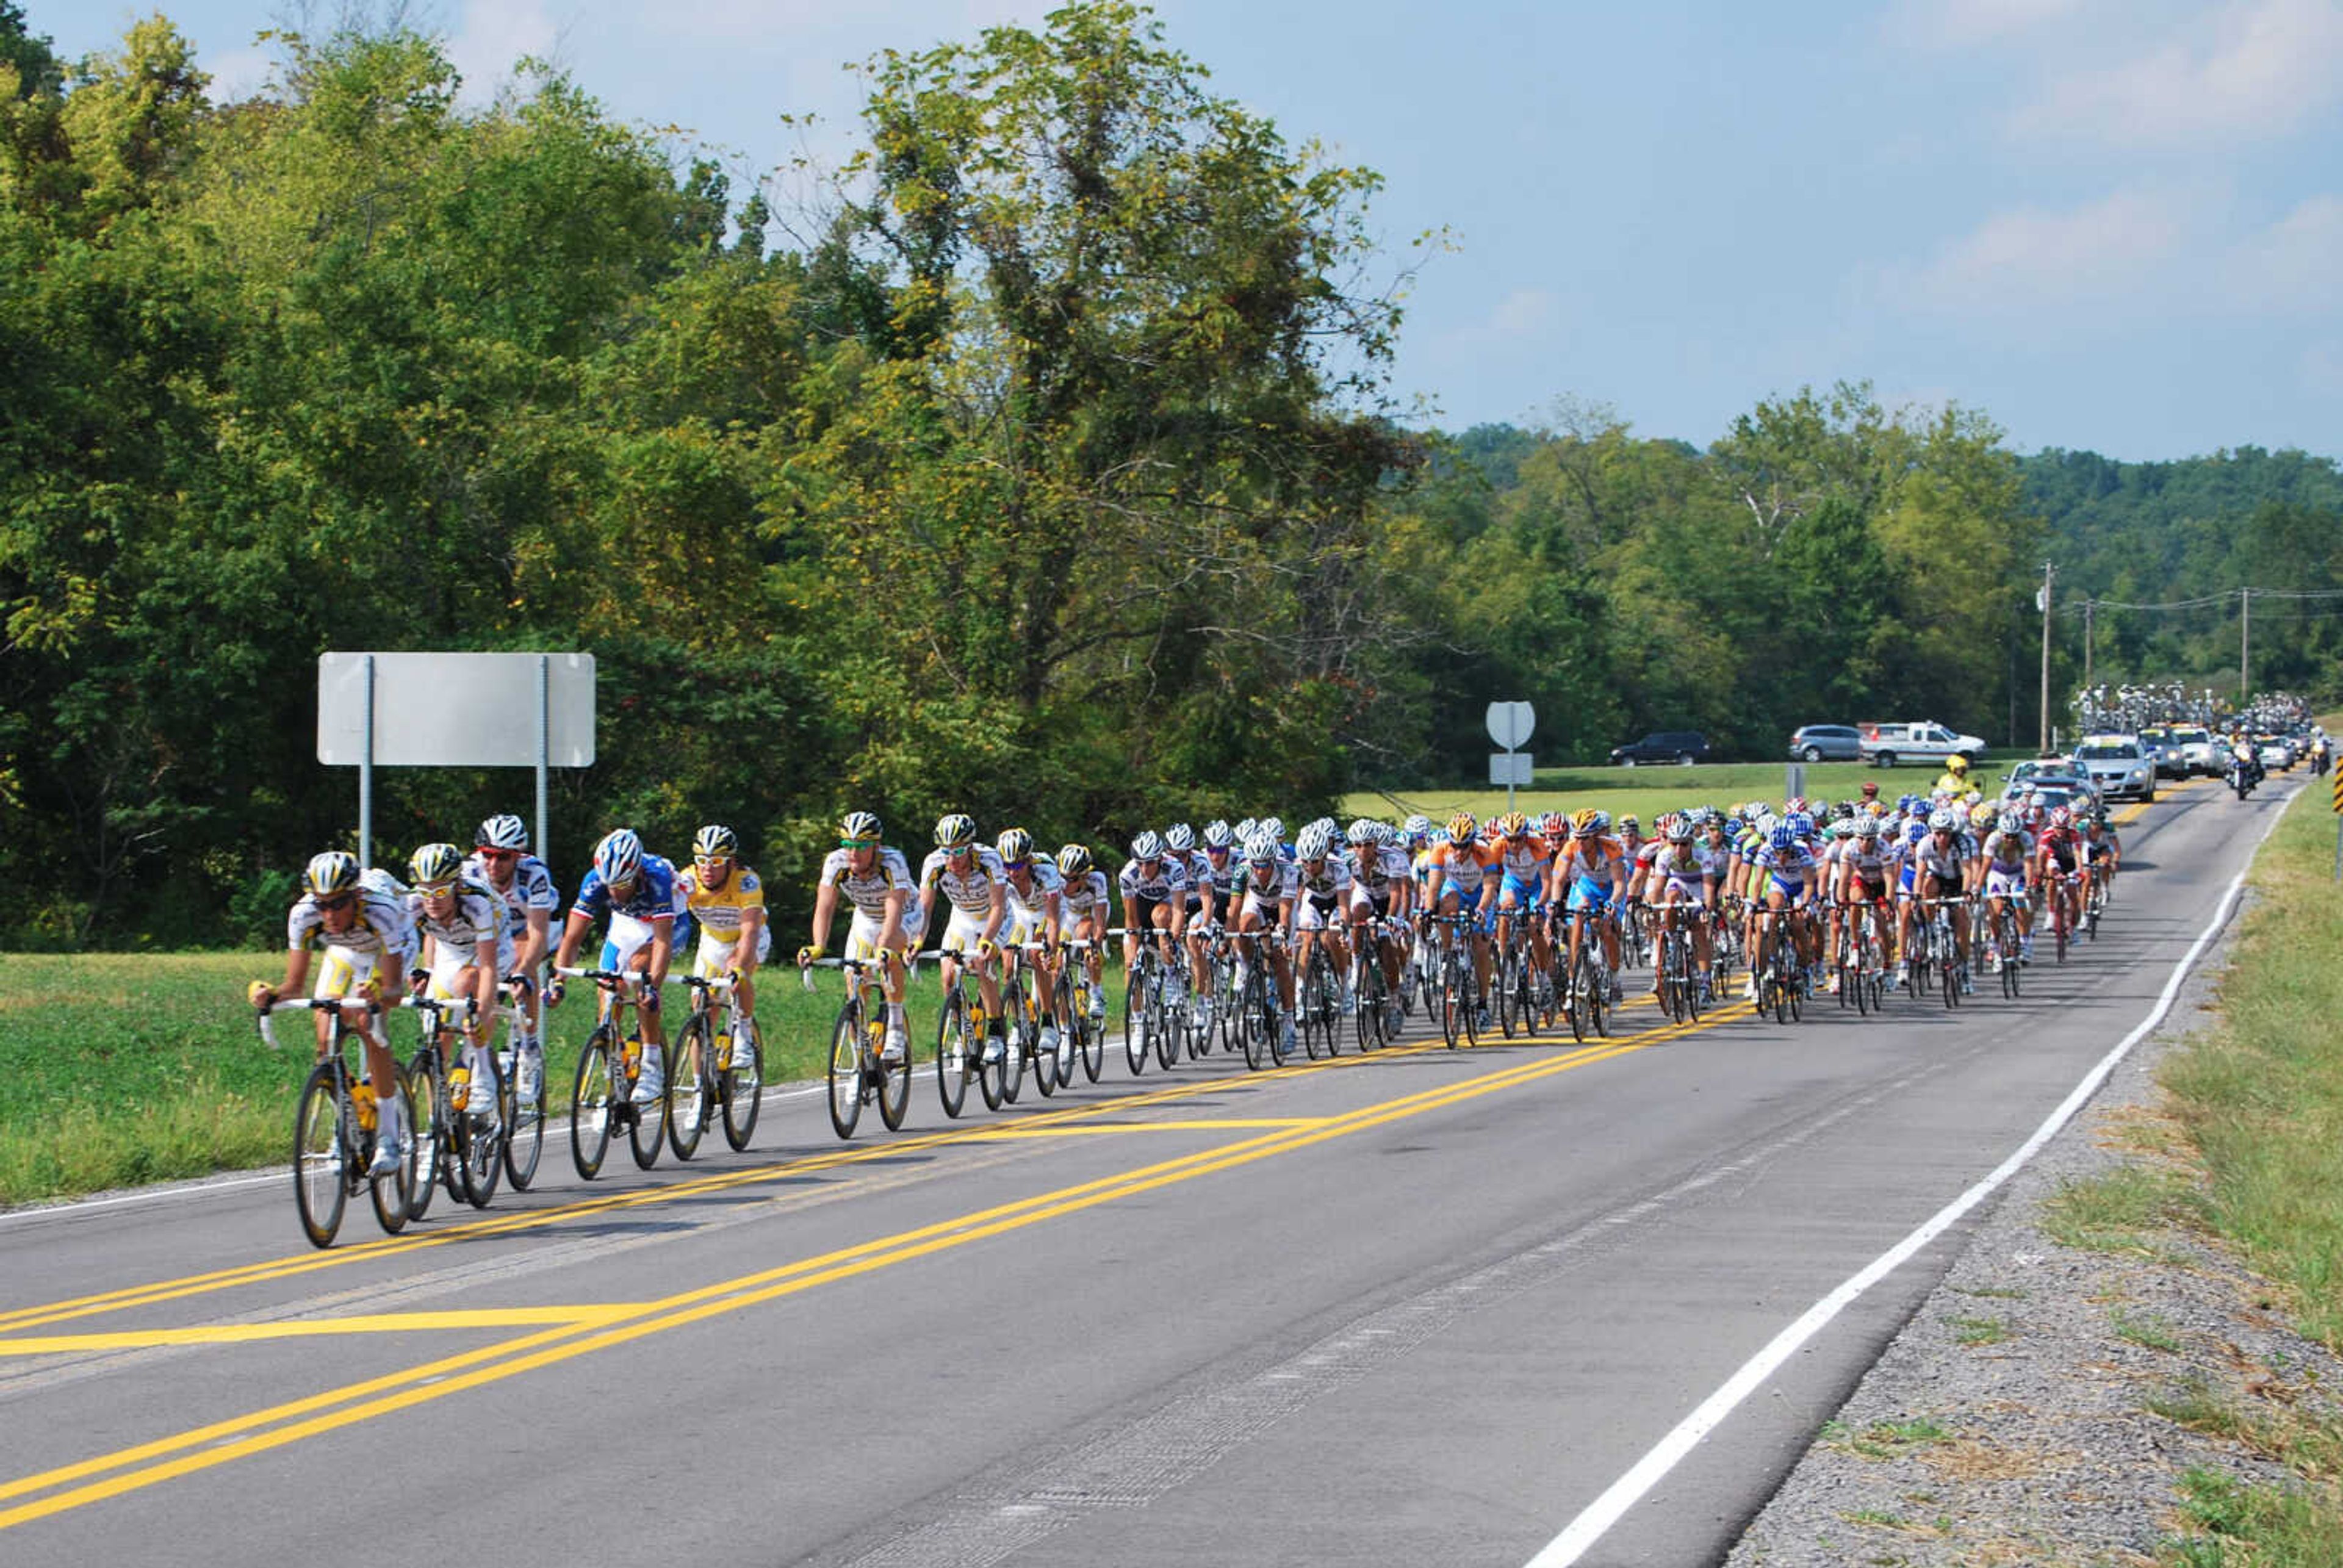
(1885, 745)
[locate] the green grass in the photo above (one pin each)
(2149, 1331)
(1648, 792)
(1884, 1439)
(1975, 1331)
(119, 1068)
(2118, 1212)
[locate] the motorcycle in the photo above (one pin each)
(2243, 774)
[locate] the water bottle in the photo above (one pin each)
(362, 1098)
(723, 1050)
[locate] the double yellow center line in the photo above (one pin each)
(109, 1475)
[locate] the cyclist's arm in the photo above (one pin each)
(533, 942)
(296, 971)
(1130, 931)
(825, 908)
(662, 950)
(573, 932)
(996, 913)
(891, 929)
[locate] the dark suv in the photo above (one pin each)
(1685, 746)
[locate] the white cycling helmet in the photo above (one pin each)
(1316, 842)
(1942, 820)
(1180, 838)
(1262, 849)
(506, 831)
(1147, 847)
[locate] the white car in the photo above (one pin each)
(2117, 765)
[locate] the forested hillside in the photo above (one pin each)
(1039, 465)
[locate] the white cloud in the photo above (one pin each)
(1966, 24)
(2029, 257)
(493, 34)
(1522, 313)
(2253, 69)
(2290, 268)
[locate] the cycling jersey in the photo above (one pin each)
(652, 897)
(1461, 865)
(1169, 877)
(1379, 866)
(970, 888)
(531, 888)
(867, 891)
(1265, 887)
(2060, 844)
(719, 909)
(380, 927)
(474, 920)
(1943, 863)
(1331, 881)
(1085, 894)
(1792, 871)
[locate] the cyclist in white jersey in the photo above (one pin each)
(888, 922)
(1082, 896)
(1384, 914)
(364, 936)
(1154, 890)
(969, 875)
(1327, 888)
(500, 862)
(1034, 889)
(460, 925)
(1267, 892)
(1180, 847)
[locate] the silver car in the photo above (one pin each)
(1827, 743)
(2118, 766)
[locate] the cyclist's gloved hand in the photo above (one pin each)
(418, 980)
(554, 990)
(261, 995)
(522, 985)
(805, 957)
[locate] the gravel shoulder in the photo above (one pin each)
(2009, 1421)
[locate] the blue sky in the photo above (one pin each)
(2109, 223)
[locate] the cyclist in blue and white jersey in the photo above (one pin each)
(2007, 852)
(1155, 888)
(632, 892)
(1684, 876)
(1936, 866)
(1525, 868)
(501, 862)
(460, 926)
(1789, 880)
(366, 937)
(970, 876)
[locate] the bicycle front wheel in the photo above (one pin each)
(691, 1092)
(894, 1077)
(846, 1072)
(590, 1103)
(1093, 1036)
(394, 1195)
(483, 1136)
(1134, 1020)
(742, 1086)
(525, 1127)
(952, 1047)
(648, 1130)
(323, 1141)
(431, 1133)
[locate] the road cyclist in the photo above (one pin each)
(524, 888)
(631, 893)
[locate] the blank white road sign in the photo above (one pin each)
(1511, 768)
(455, 710)
(1510, 724)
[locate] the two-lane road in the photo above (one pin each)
(1420, 1307)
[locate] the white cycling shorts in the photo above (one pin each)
(715, 954)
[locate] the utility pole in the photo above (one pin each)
(2089, 605)
(2048, 572)
(2244, 642)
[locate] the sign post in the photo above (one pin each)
(2339, 824)
(454, 711)
(1510, 724)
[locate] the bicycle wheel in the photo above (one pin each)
(1093, 1036)
(481, 1144)
(741, 1088)
(1017, 1045)
(2058, 925)
(1166, 1022)
(894, 1077)
(844, 1071)
(649, 1132)
(1310, 1004)
(1255, 1022)
(994, 1053)
(590, 1102)
(394, 1195)
(1951, 976)
(952, 1048)
(322, 1123)
(1045, 1069)
(525, 1127)
(431, 1133)
(1455, 1001)
(691, 1092)
(1136, 985)
(2006, 943)
(1509, 964)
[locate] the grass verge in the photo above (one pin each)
(120, 1068)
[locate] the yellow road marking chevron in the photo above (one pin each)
(336, 1410)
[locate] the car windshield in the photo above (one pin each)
(2190, 737)
(2108, 753)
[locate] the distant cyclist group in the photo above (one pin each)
(1239, 936)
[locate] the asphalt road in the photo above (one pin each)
(1421, 1307)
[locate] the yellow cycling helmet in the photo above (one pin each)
(1956, 764)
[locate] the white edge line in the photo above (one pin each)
(1624, 1493)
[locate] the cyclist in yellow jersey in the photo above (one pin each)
(727, 900)
(1955, 780)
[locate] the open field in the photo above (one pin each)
(117, 1069)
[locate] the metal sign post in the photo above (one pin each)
(454, 711)
(2339, 824)
(1510, 724)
